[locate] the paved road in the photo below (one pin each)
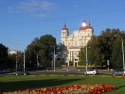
(63, 72)
(67, 72)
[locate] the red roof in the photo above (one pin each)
(85, 27)
(64, 28)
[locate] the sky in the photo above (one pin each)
(21, 21)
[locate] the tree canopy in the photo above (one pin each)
(3, 55)
(42, 49)
(107, 46)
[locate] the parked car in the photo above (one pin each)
(93, 71)
(21, 73)
(118, 72)
(2, 71)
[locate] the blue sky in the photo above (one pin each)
(23, 20)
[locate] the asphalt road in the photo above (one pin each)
(61, 72)
(66, 72)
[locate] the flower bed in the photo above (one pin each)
(73, 89)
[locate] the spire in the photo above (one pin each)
(84, 21)
(89, 23)
(64, 25)
(64, 28)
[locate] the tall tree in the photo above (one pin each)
(40, 50)
(82, 57)
(105, 48)
(116, 58)
(3, 55)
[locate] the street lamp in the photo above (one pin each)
(24, 62)
(86, 58)
(16, 63)
(122, 51)
(53, 58)
(37, 61)
(86, 55)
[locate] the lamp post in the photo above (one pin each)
(86, 58)
(16, 63)
(123, 53)
(24, 62)
(86, 55)
(53, 63)
(54, 57)
(37, 61)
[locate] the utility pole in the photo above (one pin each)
(16, 63)
(54, 58)
(86, 55)
(123, 53)
(86, 58)
(37, 61)
(24, 61)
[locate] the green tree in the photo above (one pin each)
(40, 49)
(11, 61)
(116, 58)
(103, 48)
(94, 54)
(106, 40)
(82, 57)
(3, 56)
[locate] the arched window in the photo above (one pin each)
(63, 34)
(69, 44)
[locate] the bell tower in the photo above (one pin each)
(64, 34)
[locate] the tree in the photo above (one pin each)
(41, 49)
(49, 44)
(3, 56)
(82, 57)
(61, 52)
(15, 58)
(11, 61)
(105, 47)
(116, 58)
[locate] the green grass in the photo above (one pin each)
(21, 82)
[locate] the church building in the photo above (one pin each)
(73, 42)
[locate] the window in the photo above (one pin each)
(75, 44)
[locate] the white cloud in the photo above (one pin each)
(40, 15)
(30, 6)
(10, 9)
(47, 5)
(33, 6)
(75, 6)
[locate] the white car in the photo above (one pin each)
(118, 72)
(91, 72)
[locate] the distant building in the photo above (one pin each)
(12, 52)
(73, 42)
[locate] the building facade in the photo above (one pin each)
(12, 52)
(74, 42)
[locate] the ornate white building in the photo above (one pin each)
(73, 42)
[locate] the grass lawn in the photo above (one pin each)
(21, 82)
